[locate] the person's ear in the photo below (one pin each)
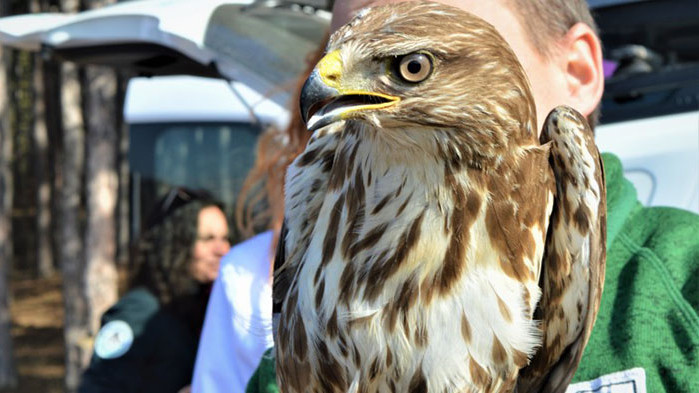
(582, 57)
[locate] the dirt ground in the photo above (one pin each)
(37, 317)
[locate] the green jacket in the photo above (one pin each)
(648, 316)
(141, 348)
(649, 312)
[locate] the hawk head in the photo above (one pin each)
(439, 70)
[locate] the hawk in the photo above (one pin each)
(433, 241)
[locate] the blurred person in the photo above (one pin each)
(148, 339)
(648, 318)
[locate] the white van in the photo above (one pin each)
(196, 132)
(189, 123)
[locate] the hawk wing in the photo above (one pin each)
(573, 266)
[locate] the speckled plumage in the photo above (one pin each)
(426, 239)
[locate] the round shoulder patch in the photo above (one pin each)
(113, 340)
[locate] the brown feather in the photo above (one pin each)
(576, 163)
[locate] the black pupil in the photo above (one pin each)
(414, 66)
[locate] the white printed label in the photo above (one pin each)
(628, 381)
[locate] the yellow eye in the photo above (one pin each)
(415, 67)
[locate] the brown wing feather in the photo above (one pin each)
(574, 261)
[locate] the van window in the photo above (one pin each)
(211, 156)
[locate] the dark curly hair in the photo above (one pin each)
(162, 256)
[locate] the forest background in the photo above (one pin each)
(63, 219)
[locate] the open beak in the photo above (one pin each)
(325, 99)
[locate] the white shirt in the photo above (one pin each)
(238, 325)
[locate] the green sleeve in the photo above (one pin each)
(648, 317)
(264, 380)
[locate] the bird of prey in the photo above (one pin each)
(433, 241)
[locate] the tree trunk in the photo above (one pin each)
(102, 192)
(44, 254)
(76, 331)
(8, 376)
(102, 182)
(52, 94)
(44, 246)
(123, 165)
(90, 279)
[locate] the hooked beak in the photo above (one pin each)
(325, 100)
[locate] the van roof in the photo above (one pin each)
(193, 99)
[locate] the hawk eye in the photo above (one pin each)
(415, 67)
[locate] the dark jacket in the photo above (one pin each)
(160, 357)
